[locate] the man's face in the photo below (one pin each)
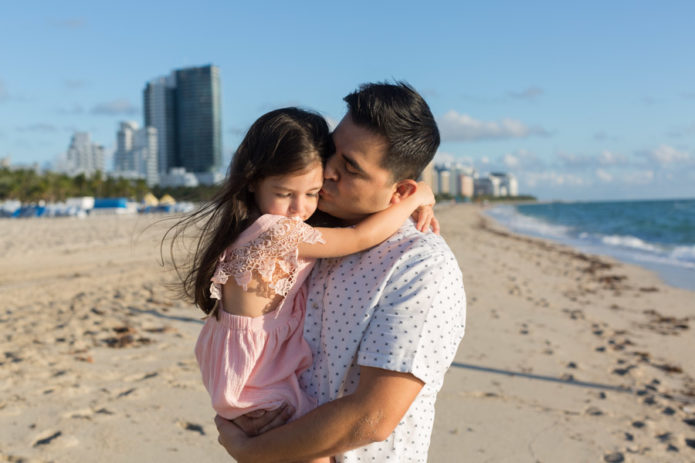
(354, 183)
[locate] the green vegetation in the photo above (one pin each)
(196, 194)
(28, 186)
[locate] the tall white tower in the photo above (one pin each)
(83, 156)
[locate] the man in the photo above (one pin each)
(384, 324)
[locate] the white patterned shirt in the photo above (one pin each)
(399, 306)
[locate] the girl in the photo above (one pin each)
(254, 253)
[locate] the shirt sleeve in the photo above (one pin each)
(420, 319)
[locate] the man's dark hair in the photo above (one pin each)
(398, 113)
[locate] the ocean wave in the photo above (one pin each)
(509, 217)
(683, 254)
(631, 242)
(607, 229)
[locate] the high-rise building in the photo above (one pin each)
(122, 159)
(198, 122)
(136, 153)
(466, 186)
(429, 176)
(83, 156)
(185, 109)
(159, 104)
(444, 181)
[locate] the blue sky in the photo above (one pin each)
(594, 100)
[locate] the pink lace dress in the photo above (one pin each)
(251, 363)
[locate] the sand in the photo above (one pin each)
(566, 357)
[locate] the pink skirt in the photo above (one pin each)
(252, 363)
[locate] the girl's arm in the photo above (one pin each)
(370, 231)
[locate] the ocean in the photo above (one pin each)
(657, 234)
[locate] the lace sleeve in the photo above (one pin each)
(273, 257)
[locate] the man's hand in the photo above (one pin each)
(230, 436)
(260, 421)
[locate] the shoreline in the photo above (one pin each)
(679, 276)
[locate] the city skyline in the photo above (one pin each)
(590, 101)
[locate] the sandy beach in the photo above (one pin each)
(567, 357)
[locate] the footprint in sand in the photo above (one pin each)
(188, 426)
(47, 438)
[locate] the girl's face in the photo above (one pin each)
(293, 195)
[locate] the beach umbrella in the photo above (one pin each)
(167, 200)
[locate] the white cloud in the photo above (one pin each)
(441, 157)
(76, 108)
(606, 158)
(575, 160)
(530, 93)
(642, 177)
(40, 127)
(603, 136)
(603, 175)
(609, 158)
(462, 127)
(115, 107)
(666, 154)
(332, 123)
(550, 178)
(74, 83)
(511, 161)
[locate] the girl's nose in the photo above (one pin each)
(296, 205)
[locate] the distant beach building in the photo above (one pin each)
(136, 153)
(508, 186)
(496, 184)
(467, 185)
(429, 176)
(462, 180)
(487, 186)
(178, 177)
(444, 183)
(82, 157)
(159, 103)
(185, 108)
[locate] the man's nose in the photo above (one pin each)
(329, 171)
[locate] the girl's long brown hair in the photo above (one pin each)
(281, 142)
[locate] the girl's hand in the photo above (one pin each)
(425, 194)
(425, 219)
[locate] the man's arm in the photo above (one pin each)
(368, 415)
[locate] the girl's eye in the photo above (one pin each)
(313, 195)
(283, 195)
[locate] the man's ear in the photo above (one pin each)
(403, 189)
